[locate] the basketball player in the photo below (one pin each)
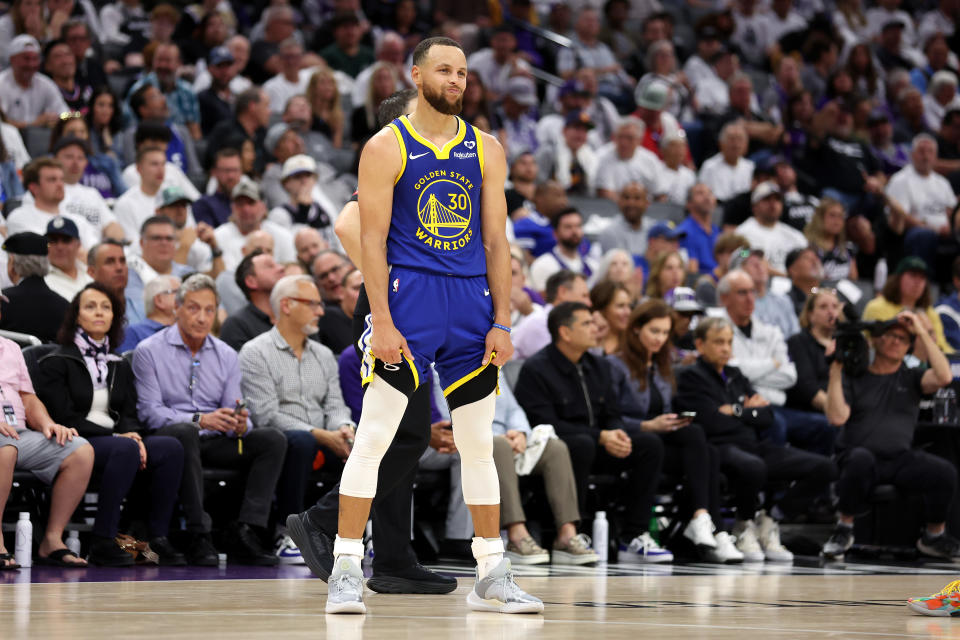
(395, 566)
(436, 268)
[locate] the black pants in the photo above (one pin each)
(747, 472)
(262, 460)
(643, 465)
(116, 461)
(391, 506)
(913, 471)
(687, 453)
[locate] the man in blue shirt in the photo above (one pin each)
(701, 232)
(188, 387)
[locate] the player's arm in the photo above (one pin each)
(347, 228)
(380, 164)
(493, 211)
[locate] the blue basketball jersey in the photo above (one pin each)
(435, 225)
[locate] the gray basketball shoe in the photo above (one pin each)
(499, 592)
(345, 588)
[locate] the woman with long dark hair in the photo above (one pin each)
(84, 385)
(644, 383)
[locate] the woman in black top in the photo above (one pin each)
(643, 380)
(84, 385)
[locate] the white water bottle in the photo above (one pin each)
(601, 535)
(23, 551)
(73, 542)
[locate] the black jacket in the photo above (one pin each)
(33, 308)
(65, 387)
(813, 372)
(244, 325)
(701, 388)
(574, 398)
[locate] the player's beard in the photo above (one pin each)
(439, 101)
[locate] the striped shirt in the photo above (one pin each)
(289, 394)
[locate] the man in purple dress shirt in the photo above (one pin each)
(188, 387)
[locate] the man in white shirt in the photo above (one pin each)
(697, 68)
(676, 179)
(751, 31)
(248, 214)
(625, 161)
(157, 134)
(43, 178)
(572, 163)
(28, 98)
(140, 202)
(498, 62)
(81, 200)
(568, 230)
(729, 173)
(888, 11)
(782, 19)
(196, 243)
(927, 200)
(765, 231)
(288, 82)
(940, 20)
(67, 276)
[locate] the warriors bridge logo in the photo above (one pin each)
(445, 209)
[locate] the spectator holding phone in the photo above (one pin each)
(643, 380)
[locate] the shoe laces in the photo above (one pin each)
(950, 588)
(509, 588)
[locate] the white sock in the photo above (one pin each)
(350, 548)
(488, 553)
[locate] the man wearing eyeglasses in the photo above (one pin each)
(293, 384)
(158, 244)
(877, 415)
(188, 387)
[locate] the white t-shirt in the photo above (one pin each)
(24, 105)
(547, 265)
(614, 173)
(84, 201)
(132, 208)
(279, 90)
(676, 184)
(173, 176)
(66, 286)
(726, 181)
(231, 242)
(13, 142)
(927, 198)
(28, 218)
(776, 241)
(780, 27)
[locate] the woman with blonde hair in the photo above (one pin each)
(383, 84)
(827, 234)
(666, 273)
(618, 265)
(324, 98)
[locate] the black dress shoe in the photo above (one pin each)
(167, 553)
(104, 552)
(415, 579)
(243, 547)
(316, 546)
(202, 553)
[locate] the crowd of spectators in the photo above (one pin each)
(699, 192)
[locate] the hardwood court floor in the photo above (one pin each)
(740, 604)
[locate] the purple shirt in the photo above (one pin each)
(173, 384)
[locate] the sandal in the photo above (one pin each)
(6, 558)
(56, 559)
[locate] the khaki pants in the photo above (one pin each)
(554, 465)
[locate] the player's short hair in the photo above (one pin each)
(394, 106)
(422, 49)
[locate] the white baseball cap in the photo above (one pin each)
(298, 164)
(23, 42)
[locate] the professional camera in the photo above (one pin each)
(852, 350)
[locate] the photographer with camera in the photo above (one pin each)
(877, 412)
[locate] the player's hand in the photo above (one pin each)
(388, 345)
(7, 430)
(498, 347)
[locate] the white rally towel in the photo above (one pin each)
(526, 461)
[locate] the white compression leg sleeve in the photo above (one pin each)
(383, 408)
(473, 435)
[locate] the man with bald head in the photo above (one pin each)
(629, 230)
(308, 243)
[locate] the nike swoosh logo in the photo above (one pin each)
(486, 292)
(414, 157)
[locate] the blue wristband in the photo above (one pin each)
(501, 327)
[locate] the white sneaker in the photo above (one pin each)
(699, 531)
(769, 538)
(643, 550)
(345, 587)
(745, 531)
(287, 552)
(726, 552)
(499, 592)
